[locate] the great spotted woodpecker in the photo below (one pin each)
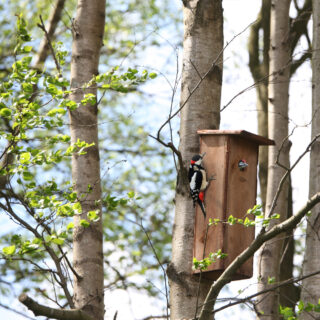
(242, 164)
(198, 181)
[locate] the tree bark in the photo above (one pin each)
(310, 287)
(203, 47)
(259, 69)
(88, 30)
(270, 255)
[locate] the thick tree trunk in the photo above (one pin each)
(310, 286)
(88, 30)
(270, 255)
(203, 46)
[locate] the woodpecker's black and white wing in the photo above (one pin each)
(191, 172)
(195, 185)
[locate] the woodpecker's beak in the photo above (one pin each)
(202, 155)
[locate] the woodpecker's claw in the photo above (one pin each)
(213, 177)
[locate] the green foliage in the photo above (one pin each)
(33, 131)
(206, 262)
(247, 222)
(125, 82)
(271, 280)
(290, 314)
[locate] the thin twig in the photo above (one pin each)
(281, 284)
(16, 311)
(43, 28)
(202, 78)
(284, 177)
(200, 276)
(161, 266)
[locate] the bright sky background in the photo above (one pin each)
(239, 115)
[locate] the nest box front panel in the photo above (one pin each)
(215, 200)
(241, 196)
(232, 192)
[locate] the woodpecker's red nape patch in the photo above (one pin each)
(201, 196)
(193, 162)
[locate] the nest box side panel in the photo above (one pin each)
(241, 190)
(215, 163)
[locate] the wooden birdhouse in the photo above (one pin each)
(232, 157)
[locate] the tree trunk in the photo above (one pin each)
(260, 70)
(270, 255)
(289, 294)
(88, 30)
(203, 46)
(310, 286)
(53, 20)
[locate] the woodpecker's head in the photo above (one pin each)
(242, 164)
(197, 159)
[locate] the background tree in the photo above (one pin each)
(124, 133)
(269, 267)
(88, 28)
(310, 289)
(259, 66)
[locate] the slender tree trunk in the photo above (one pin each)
(88, 30)
(289, 294)
(270, 255)
(203, 46)
(260, 70)
(54, 18)
(310, 286)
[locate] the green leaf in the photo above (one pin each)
(27, 87)
(131, 194)
(300, 306)
(5, 112)
(152, 75)
(25, 157)
(56, 111)
(271, 280)
(9, 250)
(70, 226)
(93, 215)
(27, 49)
(77, 207)
(84, 223)
(27, 176)
(58, 241)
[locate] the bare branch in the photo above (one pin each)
(172, 147)
(202, 78)
(55, 17)
(155, 317)
(274, 287)
(61, 314)
(262, 237)
(62, 282)
(283, 179)
(42, 27)
(161, 266)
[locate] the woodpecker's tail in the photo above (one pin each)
(202, 208)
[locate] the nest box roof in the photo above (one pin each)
(260, 140)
